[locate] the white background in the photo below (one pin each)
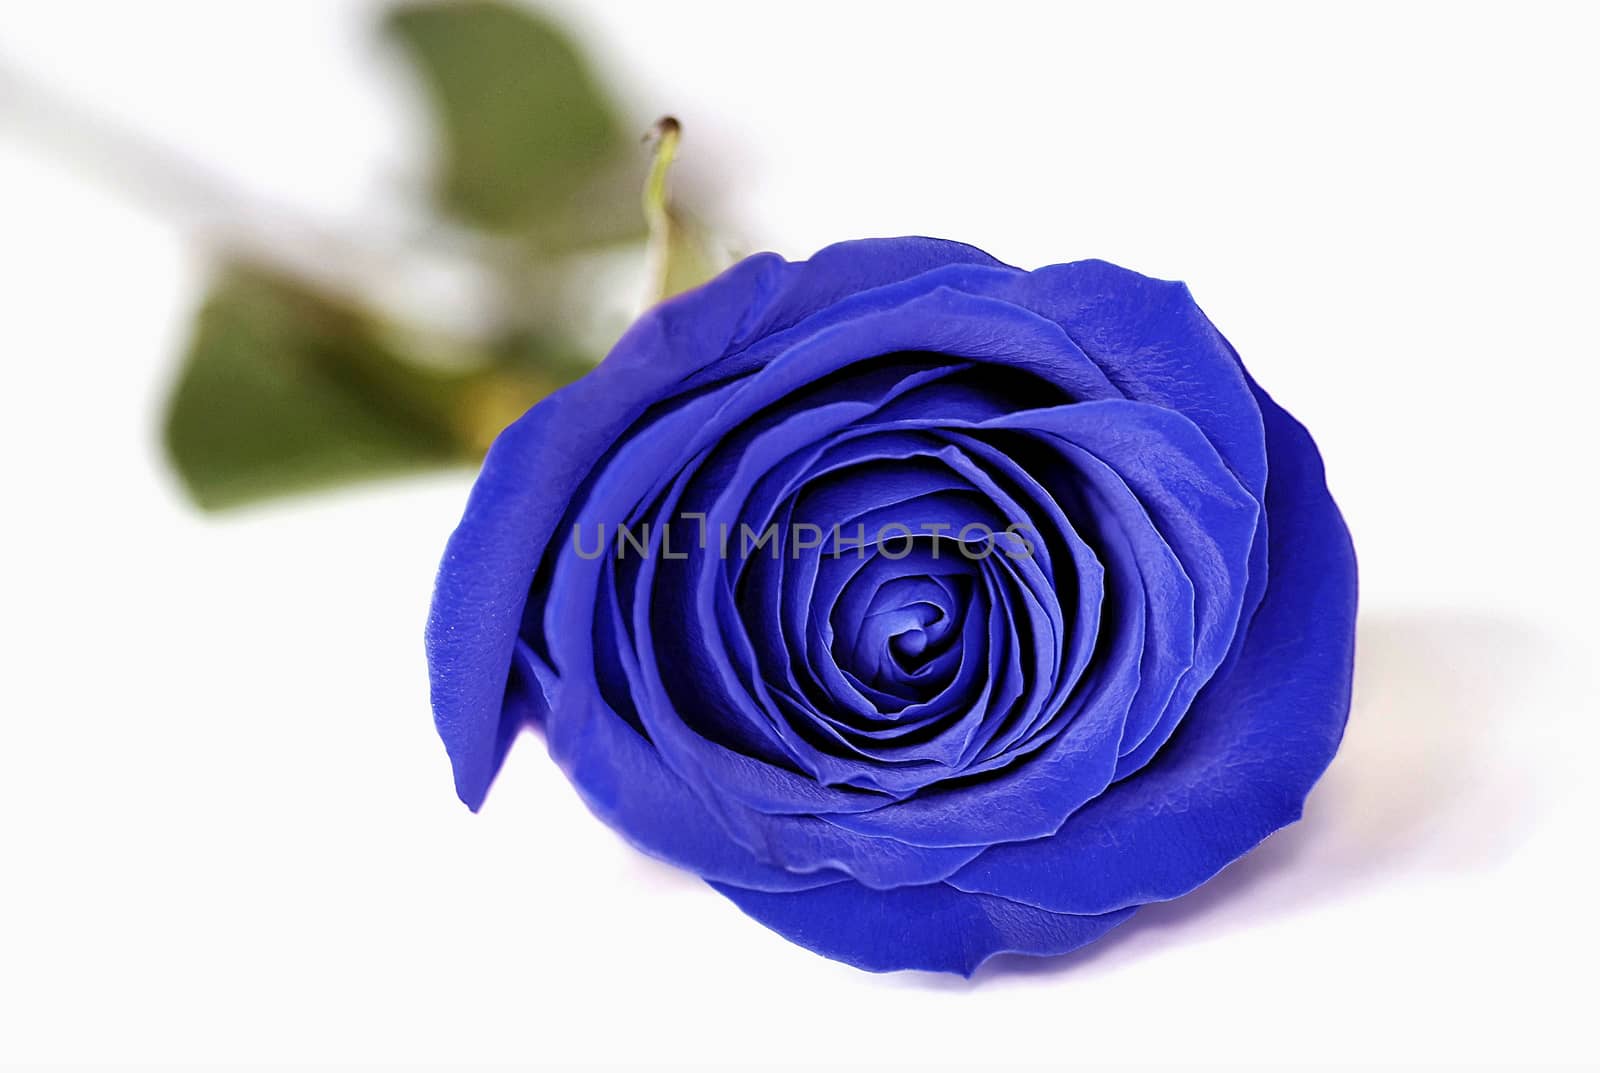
(227, 831)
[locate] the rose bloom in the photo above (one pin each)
(927, 607)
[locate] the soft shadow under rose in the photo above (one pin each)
(1416, 786)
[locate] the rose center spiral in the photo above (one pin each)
(904, 640)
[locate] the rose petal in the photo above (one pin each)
(932, 927)
(1241, 764)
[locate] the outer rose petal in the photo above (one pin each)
(1258, 737)
(848, 268)
(521, 494)
(623, 781)
(933, 927)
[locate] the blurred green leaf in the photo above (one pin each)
(285, 389)
(276, 397)
(531, 142)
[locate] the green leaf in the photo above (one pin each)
(531, 142)
(285, 389)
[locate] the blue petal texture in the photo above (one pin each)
(928, 608)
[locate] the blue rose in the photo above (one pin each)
(928, 608)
